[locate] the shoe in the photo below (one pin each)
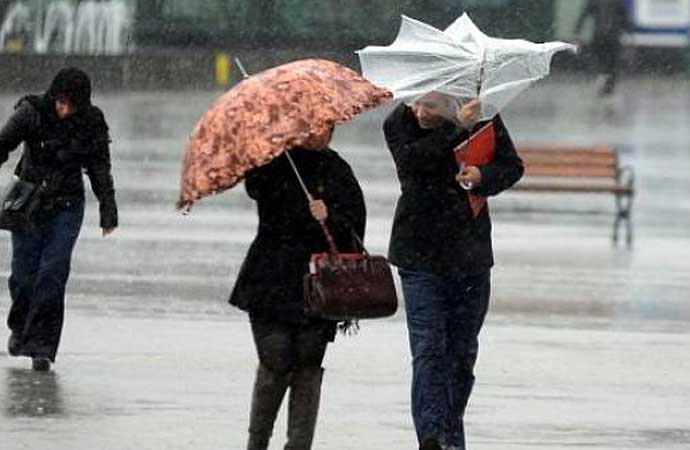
(430, 444)
(40, 364)
(13, 345)
(607, 86)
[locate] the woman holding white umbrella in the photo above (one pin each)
(453, 83)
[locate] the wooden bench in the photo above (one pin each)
(581, 170)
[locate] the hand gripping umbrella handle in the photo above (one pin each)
(332, 248)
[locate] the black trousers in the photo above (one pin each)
(41, 259)
(607, 51)
(283, 347)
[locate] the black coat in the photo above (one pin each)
(270, 280)
(57, 151)
(433, 229)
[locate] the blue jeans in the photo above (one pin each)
(41, 259)
(444, 317)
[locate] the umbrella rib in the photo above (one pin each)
(449, 55)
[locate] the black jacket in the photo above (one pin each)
(270, 280)
(57, 151)
(433, 229)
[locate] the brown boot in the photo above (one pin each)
(269, 390)
(305, 394)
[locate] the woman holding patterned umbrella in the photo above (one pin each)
(290, 345)
(273, 130)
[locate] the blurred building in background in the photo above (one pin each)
(116, 26)
(333, 24)
(119, 26)
(151, 32)
(66, 27)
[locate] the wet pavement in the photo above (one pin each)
(131, 383)
(585, 346)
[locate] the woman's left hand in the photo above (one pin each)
(318, 210)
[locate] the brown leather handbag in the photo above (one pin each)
(346, 286)
(349, 286)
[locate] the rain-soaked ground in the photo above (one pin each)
(585, 346)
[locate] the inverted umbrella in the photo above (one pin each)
(461, 62)
(293, 105)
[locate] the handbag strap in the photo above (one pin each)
(358, 240)
(332, 249)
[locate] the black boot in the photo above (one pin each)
(430, 444)
(13, 344)
(305, 394)
(269, 390)
(40, 364)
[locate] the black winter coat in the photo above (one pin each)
(57, 151)
(433, 229)
(270, 280)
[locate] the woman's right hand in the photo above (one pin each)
(469, 114)
(318, 210)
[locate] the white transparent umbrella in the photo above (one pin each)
(461, 62)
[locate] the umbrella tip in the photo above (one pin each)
(241, 67)
(184, 206)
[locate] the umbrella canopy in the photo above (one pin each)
(293, 105)
(461, 62)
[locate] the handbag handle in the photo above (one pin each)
(332, 249)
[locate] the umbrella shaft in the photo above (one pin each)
(299, 177)
(327, 233)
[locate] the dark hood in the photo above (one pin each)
(73, 83)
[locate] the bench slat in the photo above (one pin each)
(597, 153)
(600, 150)
(568, 159)
(543, 187)
(572, 171)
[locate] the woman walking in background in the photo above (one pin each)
(63, 134)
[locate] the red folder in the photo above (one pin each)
(478, 150)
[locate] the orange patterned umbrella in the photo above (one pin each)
(293, 105)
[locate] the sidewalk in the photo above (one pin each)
(169, 383)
